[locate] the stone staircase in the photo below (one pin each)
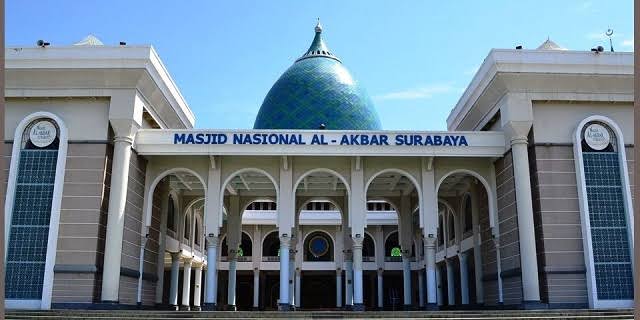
(450, 315)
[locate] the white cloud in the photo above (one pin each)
(586, 5)
(627, 43)
(422, 92)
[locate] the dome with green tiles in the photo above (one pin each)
(317, 91)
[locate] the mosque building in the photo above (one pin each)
(115, 200)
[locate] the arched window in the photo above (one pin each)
(468, 214)
(34, 195)
(246, 247)
(271, 245)
(368, 246)
(451, 227)
(392, 246)
(187, 226)
(605, 207)
(197, 234)
(171, 214)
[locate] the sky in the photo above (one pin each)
(414, 57)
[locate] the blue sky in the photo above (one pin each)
(415, 58)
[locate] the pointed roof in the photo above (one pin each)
(550, 45)
(89, 40)
(318, 48)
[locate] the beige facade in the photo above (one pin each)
(136, 208)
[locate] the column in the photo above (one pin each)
(197, 287)
(143, 244)
(211, 292)
(115, 218)
(175, 271)
(477, 250)
(440, 289)
(161, 251)
(285, 245)
(464, 277)
(421, 289)
(186, 285)
(406, 279)
(348, 278)
(256, 289)
(297, 289)
(292, 276)
(430, 270)
(358, 303)
(524, 207)
(451, 283)
(380, 288)
(231, 288)
(339, 288)
(496, 242)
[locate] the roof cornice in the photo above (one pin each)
(537, 62)
(104, 57)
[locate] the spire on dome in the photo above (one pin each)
(89, 40)
(550, 45)
(318, 48)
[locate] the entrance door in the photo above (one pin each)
(318, 290)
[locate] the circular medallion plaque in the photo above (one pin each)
(318, 246)
(43, 133)
(596, 136)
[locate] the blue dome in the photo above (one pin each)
(317, 91)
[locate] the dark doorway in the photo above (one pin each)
(318, 290)
(392, 284)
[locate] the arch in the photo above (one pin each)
(491, 197)
(149, 193)
(388, 251)
(56, 201)
(327, 199)
(373, 241)
(171, 213)
(198, 234)
(344, 218)
(404, 173)
(325, 170)
(332, 245)
(466, 213)
(223, 186)
(267, 237)
(247, 252)
(445, 220)
(195, 218)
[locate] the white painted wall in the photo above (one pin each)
(87, 119)
(556, 122)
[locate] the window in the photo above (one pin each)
(171, 215)
(196, 240)
(605, 205)
(31, 213)
(468, 213)
(451, 226)
(187, 226)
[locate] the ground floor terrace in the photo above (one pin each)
(272, 226)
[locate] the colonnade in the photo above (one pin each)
(426, 186)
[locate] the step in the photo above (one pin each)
(450, 315)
